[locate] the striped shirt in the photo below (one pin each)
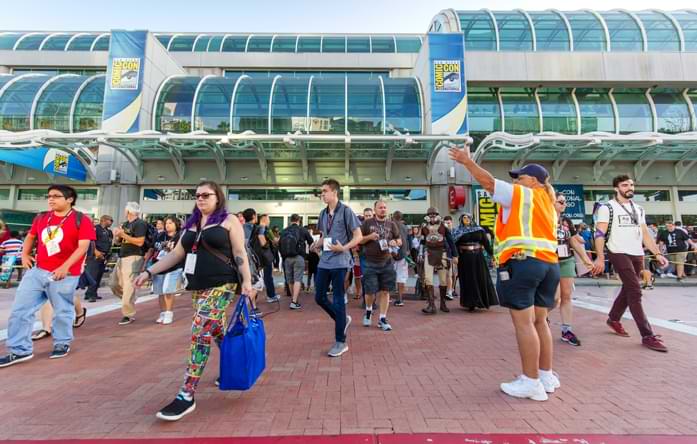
(12, 247)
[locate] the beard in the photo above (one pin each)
(627, 194)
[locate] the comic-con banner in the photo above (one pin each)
(448, 90)
(484, 207)
(575, 206)
(48, 160)
(123, 97)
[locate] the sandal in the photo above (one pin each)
(40, 335)
(79, 320)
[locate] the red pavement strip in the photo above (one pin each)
(426, 438)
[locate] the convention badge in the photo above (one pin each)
(161, 254)
(504, 276)
(190, 264)
(52, 247)
(383, 245)
(563, 250)
(327, 244)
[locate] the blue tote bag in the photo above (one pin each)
(243, 351)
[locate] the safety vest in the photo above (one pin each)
(531, 227)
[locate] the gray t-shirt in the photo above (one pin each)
(339, 229)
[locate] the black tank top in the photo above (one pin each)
(210, 270)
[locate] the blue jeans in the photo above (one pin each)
(337, 308)
(33, 291)
(268, 281)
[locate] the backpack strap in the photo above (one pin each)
(609, 224)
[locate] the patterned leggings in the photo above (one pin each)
(208, 325)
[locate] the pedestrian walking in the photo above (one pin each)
(96, 263)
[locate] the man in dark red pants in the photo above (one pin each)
(621, 224)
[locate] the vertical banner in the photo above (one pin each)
(575, 207)
(485, 208)
(448, 86)
(123, 95)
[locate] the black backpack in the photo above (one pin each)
(264, 254)
(291, 244)
(149, 238)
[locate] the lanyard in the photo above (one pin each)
(330, 219)
(52, 234)
(199, 232)
(633, 215)
(381, 228)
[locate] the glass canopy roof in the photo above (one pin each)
(583, 30)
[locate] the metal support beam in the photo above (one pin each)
(175, 156)
(263, 162)
(390, 159)
(347, 157)
(302, 151)
(686, 162)
(132, 158)
(642, 165)
(219, 156)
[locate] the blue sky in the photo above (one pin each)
(269, 15)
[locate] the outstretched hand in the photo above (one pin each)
(460, 155)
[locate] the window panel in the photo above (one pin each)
(587, 30)
(260, 43)
(164, 39)
(365, 106)
(102, 44)
(215, 43)
(596, 110)
(520, 111)
(558, 110)
(358, 44)
(402, 106)
(201, 44)
(309, 44)
(284, 43)
(251, 106)
(327, 106)
(173, 108)
(82, 43)
(672, 111)
(16, 103)
(8, 40)
(687, 196)
(235, 43)
(289, 106)
(169, 194)
(688, 23)
(625, 34)
(213, 104)
(483, 112)
(408, 44)
(383, 44)
(89, 106)
(53, 107)
(478, 30)
(56, 43)
(371, 194)
(514, 31)
(634, 111)
(182, 43)
(334, 44)
(661, 35)
(31, 42)
(550, 32)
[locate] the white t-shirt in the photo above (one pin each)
(625, 234)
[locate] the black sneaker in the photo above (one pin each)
(12, 359)
(399, 303)
(59, 351)
(295, 306)
(126, 320)
(177, 409)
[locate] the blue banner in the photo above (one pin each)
(123, 97)
(575, 207)
(448, 89)
(48, 160)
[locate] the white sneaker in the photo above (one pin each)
(168, 318)
(524, 387)
(550, 381)
(161, 318)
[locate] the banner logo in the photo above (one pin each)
(447, 76)
(60, 163)
(487, 209)
(125, 72)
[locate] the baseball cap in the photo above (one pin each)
(532, 169)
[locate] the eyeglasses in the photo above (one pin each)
(561, 202)
(203, 196)
(55, 196)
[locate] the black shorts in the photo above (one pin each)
(522, 284)
(379, 277)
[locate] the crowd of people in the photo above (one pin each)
(535, 251)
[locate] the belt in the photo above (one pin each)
(470, 247)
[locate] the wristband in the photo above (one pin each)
(149, 273)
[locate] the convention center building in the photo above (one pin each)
(139, 115)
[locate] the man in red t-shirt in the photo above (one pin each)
(63, 240)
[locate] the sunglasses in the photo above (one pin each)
(561, 202)
(203, 196)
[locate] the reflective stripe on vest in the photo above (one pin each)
(518, 234)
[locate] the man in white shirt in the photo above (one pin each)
(621, 224)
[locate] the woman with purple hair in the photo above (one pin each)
(213, 250)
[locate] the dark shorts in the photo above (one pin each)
(379, 277)
(530, 282)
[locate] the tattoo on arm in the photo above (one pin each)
(239, 261)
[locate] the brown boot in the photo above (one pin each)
(443, 292)
(431, 307)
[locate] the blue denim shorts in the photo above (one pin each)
(167, 283)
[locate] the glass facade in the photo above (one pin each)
(520, 111)
(16, 102)
(625, 34)
(672, 110)
(558, 110)
(484, 112)
(688, 23)
(276, 194)
(587, 30)
(212, 108)
(173, 108)
(169, 193)
(89, 105)
(479, 30)
(250, 105)
(687, 196)
(551, 33)
(365, 107)
(661, 34)
(53, 106)
(515, 33)
(371, 194)
(597, 113)
(182, 43)
(634, 110)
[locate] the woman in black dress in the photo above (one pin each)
(476, 287)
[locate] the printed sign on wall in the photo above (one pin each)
(486, 209)
(125, 73)
(48, 160)
(448, 89)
